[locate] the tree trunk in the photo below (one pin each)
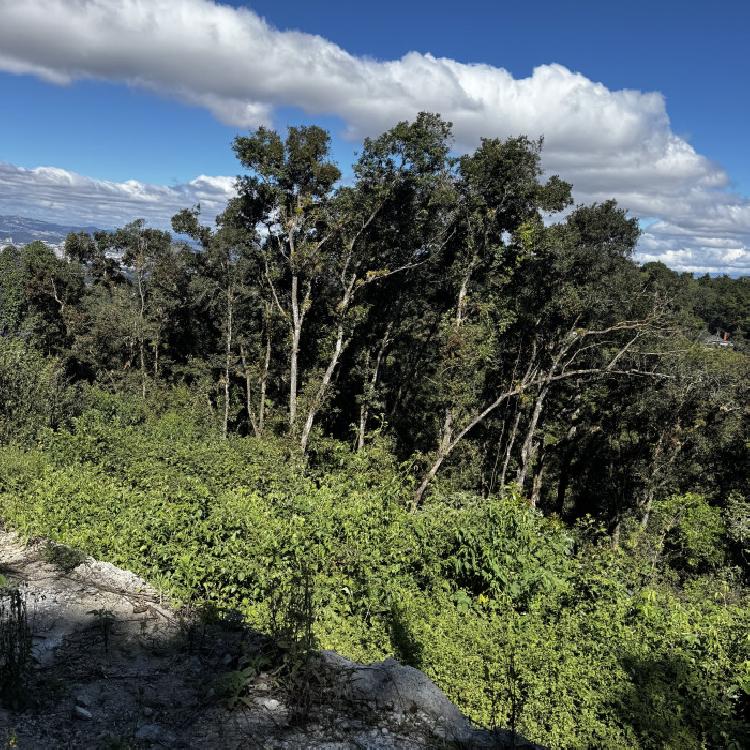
(323, 389)
(296, 335)
(463, 290)
(509, 447)
(338, 348)
(157, 344)
(141, 315)
(142, 360)
(248, 392)
(529, 447)
(536, 485)
(228, 361)
(364, 411)
(263, 382)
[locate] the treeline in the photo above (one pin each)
(459, 311)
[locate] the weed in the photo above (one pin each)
(15, 648)
(297, 641)
(63, 557)
(105, 619)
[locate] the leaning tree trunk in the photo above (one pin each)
(323, 389)
(529, 447)
(509, 447)
(364, 409)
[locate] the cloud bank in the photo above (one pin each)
(67, 197)
(231, 62)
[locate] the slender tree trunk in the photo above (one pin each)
(228, 361)
(296, 335)
(323, 389)
(369, 395)
(141, 321)
(447, 446)
(498, 448)
(536, 485)
(338, 348)
(263, 383)
(463, 291)
(63, 308)
(364, 411)
(529, 447)
(157, 344)
(248, 392)
(509, 446)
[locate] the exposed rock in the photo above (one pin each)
(155, 735)
(270, 704)
(131, 672)
(408, 697)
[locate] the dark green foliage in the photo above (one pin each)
(420, 414)
(33, 392)
(63, 557)
(518, 617)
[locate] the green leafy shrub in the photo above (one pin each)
(33, 392)
(521, 620)
(63, 557)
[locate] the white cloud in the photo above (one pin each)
(230, 61)
(70, 198)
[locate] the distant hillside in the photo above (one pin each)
(21, 230)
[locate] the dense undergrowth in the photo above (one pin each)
(522, 620)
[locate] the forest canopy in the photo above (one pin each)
(442, 360)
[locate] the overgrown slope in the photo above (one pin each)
(524, 622)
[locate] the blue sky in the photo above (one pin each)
(74, 103)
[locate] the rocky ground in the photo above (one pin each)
(116, 668)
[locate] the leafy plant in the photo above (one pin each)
(63, 557)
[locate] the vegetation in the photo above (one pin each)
(486, 440)
(15, 647)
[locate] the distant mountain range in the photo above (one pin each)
(20, 230)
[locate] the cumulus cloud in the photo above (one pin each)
(70, 198)
(230, 61)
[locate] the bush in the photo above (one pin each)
(520, 620)
(33, 392)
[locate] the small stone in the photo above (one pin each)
(270, 704)
(148, 711)
(81, 713)
(152, 733)
(83, 701)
